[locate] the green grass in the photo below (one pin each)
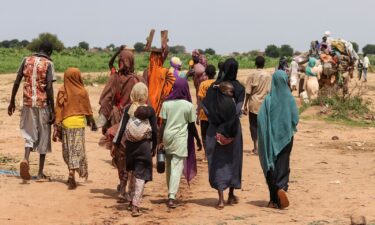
(10, 60)
(350, 110)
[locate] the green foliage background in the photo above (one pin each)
(10, 60)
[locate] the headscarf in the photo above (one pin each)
(138, 96)
(311, 64)
(229, 73)
(220, 108)
(283, 64)
(180, 90)
(277, 121)
(176, 65)
(126, 62)
(72, 98)
(201, 58)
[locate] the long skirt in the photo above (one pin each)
(224, 161)
(278, 178)
(73, 149)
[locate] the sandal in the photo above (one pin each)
(44, 178)
(219, 206)
(283, 199)
(122, 199)
(71, 183)
(136, 211)
(232, 200)
(24, 170)
(130, 206)
(272, 205)
(171, 204)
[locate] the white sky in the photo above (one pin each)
(224, 25)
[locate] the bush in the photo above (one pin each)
(139, 47)
(15, 43)
(368, 49)
(177, 49)
(286, 50)
(349, 108)
(56, 43)
(84, 45)
(355, 46)
(272, 51)
(209, 51)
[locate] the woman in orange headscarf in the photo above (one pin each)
(73, 112)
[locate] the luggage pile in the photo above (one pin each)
(337, 57)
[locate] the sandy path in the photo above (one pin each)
(329, 181)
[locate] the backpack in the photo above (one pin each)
(137, 130)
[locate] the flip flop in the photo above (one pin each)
(130, 206)
(272, 205)
(122, 199)
(283, 198)
(171, 204)
(232, 201)
(72, 184)
(219, 207)
(44, 178)
(24, 170)
(136, 213)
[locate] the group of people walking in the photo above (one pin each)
(141, 116)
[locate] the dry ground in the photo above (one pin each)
(330, 181)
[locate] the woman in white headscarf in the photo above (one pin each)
(138, 152)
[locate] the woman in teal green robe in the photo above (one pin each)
(277, 122)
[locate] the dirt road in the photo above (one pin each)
(330, 181)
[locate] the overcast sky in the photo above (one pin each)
(224, 25)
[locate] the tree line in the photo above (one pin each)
(270, 51)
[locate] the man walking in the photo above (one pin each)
(258, 85)
(37, 113)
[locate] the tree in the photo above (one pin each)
(209, 51)
(272, 51)
(286, 50)
(5, 44)
(84, 45)
(56, 43)
(24, 43)
(111, 47)
(139, 46)
(355, 46)
(368, 49)
(177, 49)
(200, 51)
(14, 43)
(254, 53)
